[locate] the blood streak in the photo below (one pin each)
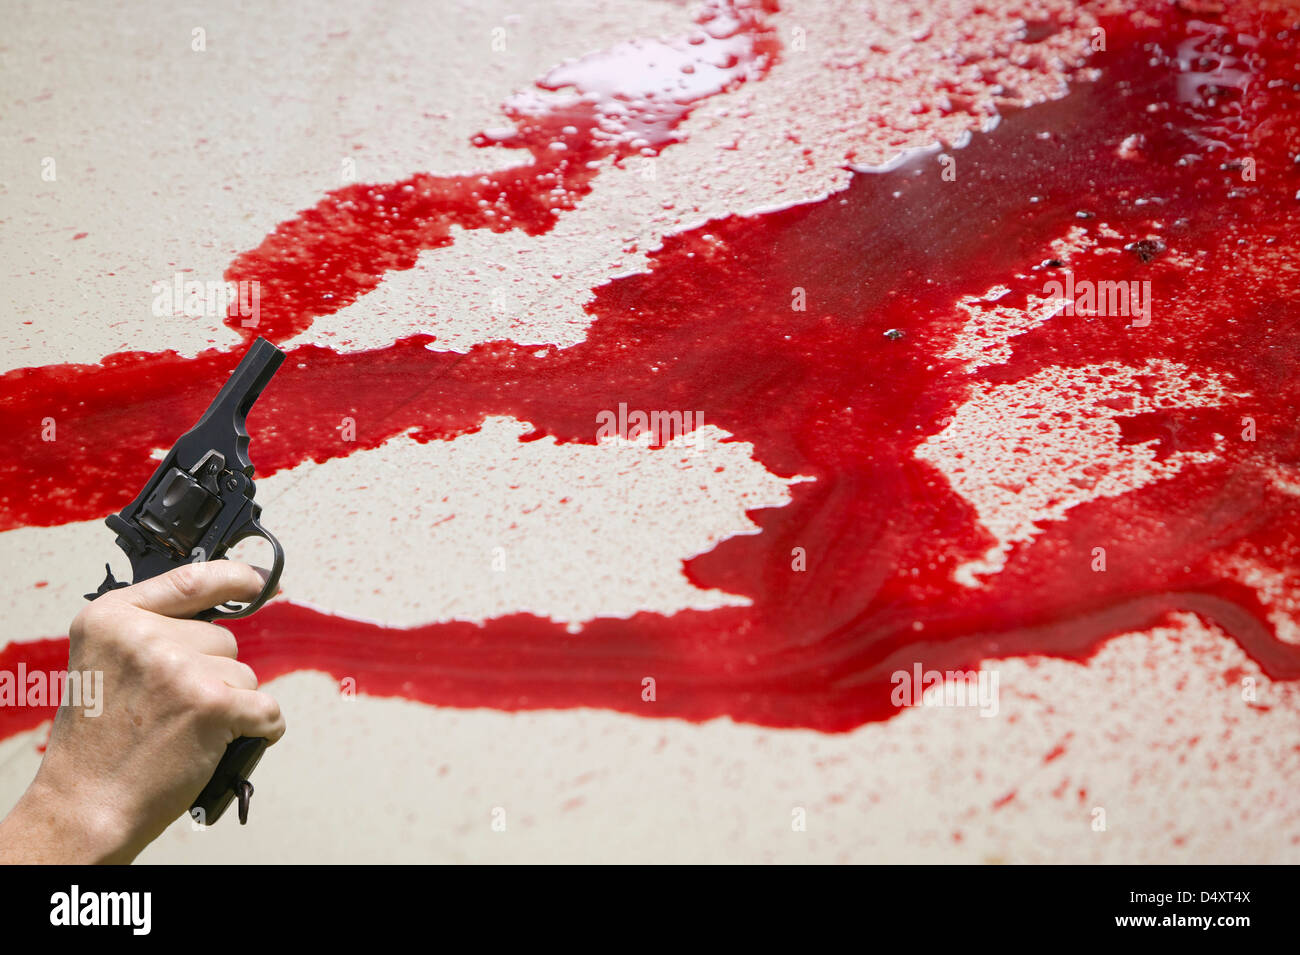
(1153, 149)
(611, 105)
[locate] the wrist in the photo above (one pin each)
(54, 825)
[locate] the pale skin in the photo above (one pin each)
(174, 696)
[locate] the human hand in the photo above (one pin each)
(173, 697)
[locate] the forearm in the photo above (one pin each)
(50, 826)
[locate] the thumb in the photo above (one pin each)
(191, 588)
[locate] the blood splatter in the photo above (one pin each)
(1150, 156)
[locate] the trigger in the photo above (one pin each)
(110, 583)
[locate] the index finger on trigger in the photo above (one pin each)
(192, 588)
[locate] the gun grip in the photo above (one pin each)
(230, 779)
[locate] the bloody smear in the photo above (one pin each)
(611, 105)
(1151, 157)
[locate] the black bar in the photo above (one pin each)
(939, 906)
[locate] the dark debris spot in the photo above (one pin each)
(1146, 249)
(1036, 31)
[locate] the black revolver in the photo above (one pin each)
(199, 503)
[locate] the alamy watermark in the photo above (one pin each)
(195, 299)
(129, 909)
(1116, 299)
(657, 427)
(84, 688)
(920, 687)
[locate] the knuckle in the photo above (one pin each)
(250, 675)
(209, 698)
(187, 579)
(100, 620)
(267, 708)
(272, 714)
(163, 658)
(87, 622)
(224, 641)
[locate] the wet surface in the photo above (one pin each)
(1176, 163)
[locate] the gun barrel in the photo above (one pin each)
(222, 427)
(245, 384)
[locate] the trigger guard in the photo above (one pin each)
(252, 529)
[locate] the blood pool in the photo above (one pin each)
(1174, 165)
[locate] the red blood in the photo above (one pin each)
(44, 656)
(1155, 147)
(325, 257)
